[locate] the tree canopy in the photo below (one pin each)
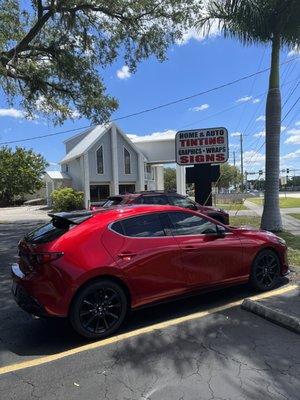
(229, 176)
(170, 179)
(52, 52)
(20, 173)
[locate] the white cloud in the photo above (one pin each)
(295, 51)
(251, 157)
(167, 134)
(235, 134)
(260, 134)
(11, 112)
(199, 34)
(244, 99)
(291, 156)
(255, 101)
(294, 136)
(261, 118)
(132, 136)
(297, 123)
(124, 72)
(202, 107)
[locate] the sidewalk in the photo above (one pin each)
(290, 224)
(283, 309)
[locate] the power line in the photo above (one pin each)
(147, 110)
(290, 110)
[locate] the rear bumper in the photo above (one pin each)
(41, 292)
(24, 300)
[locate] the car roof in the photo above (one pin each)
(123, 211)
(146, 193)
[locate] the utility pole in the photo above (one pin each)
(234, 158)
(242, 162)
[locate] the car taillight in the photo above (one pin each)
(44, 258)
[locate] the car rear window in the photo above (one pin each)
(59, 225)
(142, 226)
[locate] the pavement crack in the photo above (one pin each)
(32, 385)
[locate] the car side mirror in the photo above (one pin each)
(221, 231)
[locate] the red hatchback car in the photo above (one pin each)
(95, 267)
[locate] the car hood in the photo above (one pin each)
(250, 230)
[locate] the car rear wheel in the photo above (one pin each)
(265, 270)
(99, 309)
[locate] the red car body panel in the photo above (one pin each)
(152, 268)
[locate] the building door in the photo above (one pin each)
(129, 188)
(99, 192)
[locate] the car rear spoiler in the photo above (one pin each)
(70, 218)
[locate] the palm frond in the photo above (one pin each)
(254, 21)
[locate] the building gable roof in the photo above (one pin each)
(91, 138)
(83, 146)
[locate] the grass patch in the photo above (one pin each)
(245, 220)
(295, 215)
(232, 206)
(292, 241)
(288, 202)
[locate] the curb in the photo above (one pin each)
(273, 315)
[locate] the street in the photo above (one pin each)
(229, 354)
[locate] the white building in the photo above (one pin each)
(103, 161)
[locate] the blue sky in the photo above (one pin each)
(193, 66)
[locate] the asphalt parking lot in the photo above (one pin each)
(203, 354)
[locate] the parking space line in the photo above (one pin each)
(161, 325)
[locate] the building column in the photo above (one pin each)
(159, 177)
(114, 187)
(87, 195)
(140, 184)
(180, 179)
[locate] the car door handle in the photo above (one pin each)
(190, 248)
(126, 255)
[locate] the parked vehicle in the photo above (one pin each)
(162, 198)
(95, 267)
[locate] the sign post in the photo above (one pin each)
(202, 148)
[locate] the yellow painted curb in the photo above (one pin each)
(161, 325)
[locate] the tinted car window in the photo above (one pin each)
(112, 201)
(189, 224)
(152, 200)
(181, 202)
(117, 227)
(143, 226)
(56, 227)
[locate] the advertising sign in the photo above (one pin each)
(201, 146)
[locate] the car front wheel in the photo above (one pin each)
(99, 309)
(265, 270)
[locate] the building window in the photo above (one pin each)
(99, 192)
(127, 188)
(67, 167)
(99, 160)
(127, 166)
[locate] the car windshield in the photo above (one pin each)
(112, 201)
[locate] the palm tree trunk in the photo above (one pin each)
(271, 218)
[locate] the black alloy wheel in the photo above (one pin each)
(265, 270)
(99, 309)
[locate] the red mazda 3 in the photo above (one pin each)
(95, 267)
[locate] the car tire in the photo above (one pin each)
(265, 271)
(99, 309)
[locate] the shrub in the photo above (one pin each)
(67, 199)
